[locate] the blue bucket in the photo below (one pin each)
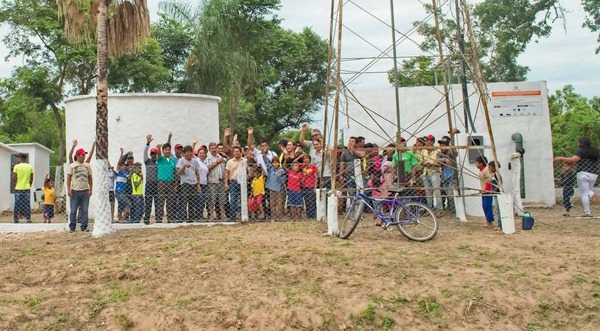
(528, 221)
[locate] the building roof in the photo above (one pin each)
(38, 145)
(8, 148)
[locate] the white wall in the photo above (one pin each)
(132, 116)
(39, 158)
(417, 120)
(6, 199)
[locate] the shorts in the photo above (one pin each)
(111, 196)
(48, 211)
(124, 200)
(254, 203)
(217, 194)
(295, 199)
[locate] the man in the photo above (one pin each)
(232, 183)
(258, 157)
(22, 178)
(217, 196)
(446, 157)
(318, 155)
(151, 186)
(203, 173)
(428, 157)
(165, 165)
(410, 162)
(79, 186)
(189, 184)
(347, 163)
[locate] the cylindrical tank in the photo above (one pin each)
(133, 116)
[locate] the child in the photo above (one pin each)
(310, 174)
(567, 181)
(258, 193)
(49, 199)
(276, 185)
(137, 194)
(485, 179)
(495, 188)
(294, 186)
(121, 178)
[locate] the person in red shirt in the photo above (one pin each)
(294, 186)
(310, 173)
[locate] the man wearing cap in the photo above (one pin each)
(151, 186)
(431, 173)
(446, 157)
(79, 189)
(22, 178)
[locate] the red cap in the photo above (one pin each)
(178, 146)
(196, 152)
(153, 151)
(80, 151)
(402, 139)
(430, 137)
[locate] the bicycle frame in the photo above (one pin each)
(370, 202)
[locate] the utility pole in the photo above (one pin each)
(463, 73)
(400, 169)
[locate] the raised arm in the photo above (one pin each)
(91, 153)
(226, 135)
(169, 138)
(72, 150)
(251, 139)
(147, 147)
(120, 156)
(302, 133)
(194, 143)
(159, 151)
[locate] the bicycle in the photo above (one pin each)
(414, 219)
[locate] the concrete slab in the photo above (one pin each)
(58, 227)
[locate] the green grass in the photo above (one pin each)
(446, 293)
(387, 322)
(34, 300)
(125, 322)
(430, 308)
(96, 306)
(117, 293)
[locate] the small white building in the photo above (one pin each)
(6, 198)
(132, 116)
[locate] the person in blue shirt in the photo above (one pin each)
(275, 183)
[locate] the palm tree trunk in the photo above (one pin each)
(103, 219)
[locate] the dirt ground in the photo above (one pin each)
(287, 276)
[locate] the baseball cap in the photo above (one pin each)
(80, 151)
(153, 151)
(445, 140)
(130, 156)
(402, 139)
(178, 146)
(431, 137)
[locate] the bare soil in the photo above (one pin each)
(288, 276)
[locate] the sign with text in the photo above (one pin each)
(517, 102)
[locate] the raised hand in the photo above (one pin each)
(250, 130)
(74, 142)
(304, 126)
(170, 135)
(149, 138)
(122, 150)
(227, 132)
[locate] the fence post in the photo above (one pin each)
(515, 162)
(332, 215)
(321, 196)
(243, 179)
(360, 185)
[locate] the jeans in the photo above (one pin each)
(235, 198)
(448, 185)
(310, 201)
(202, 201)
(79, 201)
(22, 205)
(165, 193)
(432, 189)
(487, 202)
(586, 181)
(188, 202)
(137, 208)
(149, 197)
(568, 192)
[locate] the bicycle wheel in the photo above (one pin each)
(416, 221)
(351, 219)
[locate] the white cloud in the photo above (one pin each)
(563, 58)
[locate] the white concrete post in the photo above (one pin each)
(515, 162)
(459, 206)
(505, 204)
(332, 215)
(360, 186)
(321, 197)
(243, 180)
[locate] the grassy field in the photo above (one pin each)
(282, 276)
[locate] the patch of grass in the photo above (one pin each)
(446, 293)
(543, 306)
(96, 306)
(203, 259)
(124, 321)
(283, 259)
(129, 265)
(117, 293)
(578, 279)
(58, 325)
(367, 316)
(430, 308)
(387, 323)
(291, 296)
(150, 261)
(499, 267)
(27, 252)
(533, 327)
(465, 248)
(182, 303)
(34, 300)
(400, 300)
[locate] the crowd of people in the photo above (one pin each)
(190, 184)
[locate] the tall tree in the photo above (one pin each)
(117, 31)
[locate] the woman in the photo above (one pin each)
(586, 159)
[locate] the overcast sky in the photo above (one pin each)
(564, 58)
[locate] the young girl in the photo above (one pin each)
(294, 186)
(49, 199)
(137, 194)
(310, 173)
(258, 193)
(485, 179)
(124, 206)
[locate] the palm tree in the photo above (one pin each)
(117, 27)
(219, 64)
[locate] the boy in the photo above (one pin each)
(294, 187)
(258, 192)
(485, 178)
(276, 185)
(137, 194)
(567, 181)
(49, 199)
